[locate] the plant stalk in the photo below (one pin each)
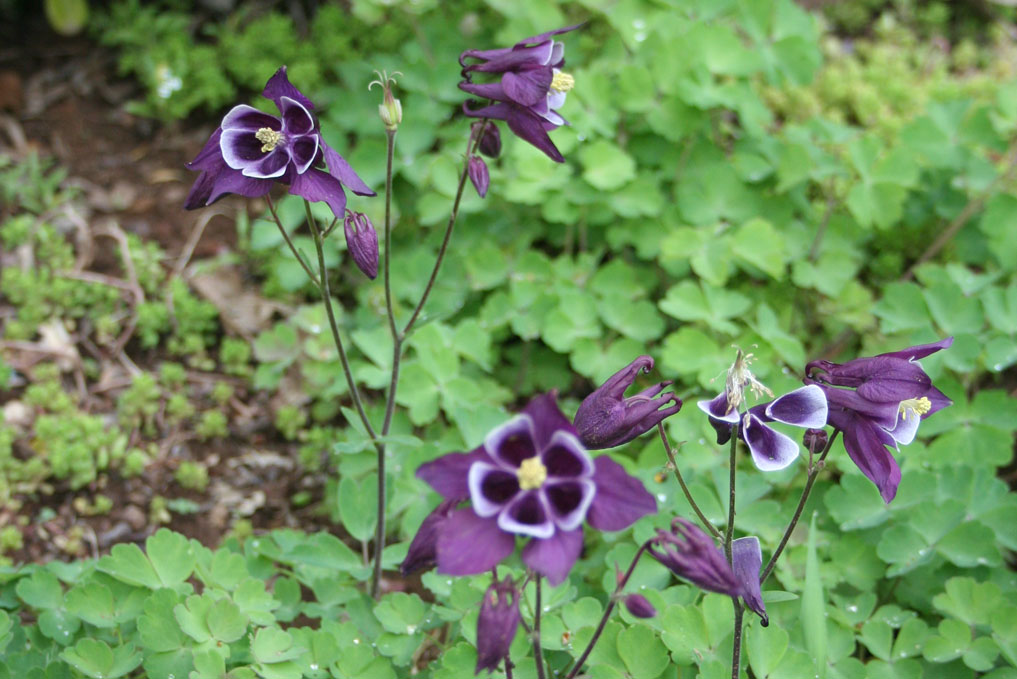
(538, 651)
(685, 489)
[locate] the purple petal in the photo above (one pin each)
(566, 457)
(527, 87)
(448, 474)
(770, 449)
(885, 414)
(244, 117)
(468, 544)
(553, 557)
(304, 150)
(804, 407)
(492, 91)
(241, 149)
(233, 181)
(621, 499)
(297, 120)
(921, 351)
(315, 185)
(421, 553)
(746, 560)
(938, 400)
(499, 111)
(512, 442)
(479, 175)
(279, 86)
(569, 501)
(527, 514)
(491, 488)
(719, 409)
(210, 156)
(516, 58)
(529, 127)
(866, 443)
(341, 170)
(271, 166)
(547, 419)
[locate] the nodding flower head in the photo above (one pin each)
(692, 555)
(878, 402)
(362, 242)
(533, 478)
(529, 90)
(251, 151)
(497, 624)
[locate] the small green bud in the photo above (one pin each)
(391, 109)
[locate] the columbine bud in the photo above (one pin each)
(391, 109)
(497, 624)
(747, 559)
(814, 440)
(606, 418)
(477, 170)
(639, 606)
(362, 242)
(490, 143)
(692, 555)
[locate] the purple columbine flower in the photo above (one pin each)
(252, 150)
(532, 478)
(878, 402)
(746, 560)
(531, 88)
(477, 169)
(362, 242)
(606, 418)
(770, 449)
(497, 624)
(692, 555)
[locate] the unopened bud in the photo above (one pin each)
(639, 606)
(391, 109)
(477, 169)
(815, 440)
(362, 242)
(490, 141)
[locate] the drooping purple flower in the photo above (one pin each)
(878, 403)
(251, 150)
(771, 450)
(746, 560)
(421, 554)
(531, 88)
(533, 478)
(497, 624)
(362, 242)
(477, 169)
(692, 555)
(639, 606)
(606, 418)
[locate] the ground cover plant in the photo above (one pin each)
(805, 236)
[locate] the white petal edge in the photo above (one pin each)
(787, 450)
(494, 438)
(474, 480)
(567, 440)
(733, 417)
(575, 518)
(510, 525)
(817, 407)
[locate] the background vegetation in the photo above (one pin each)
(739, 173)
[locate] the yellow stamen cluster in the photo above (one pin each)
(918, 406)
(532, 473)
(269, 138)
(562, 82)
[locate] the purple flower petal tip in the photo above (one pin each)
(639, 606)
(747, 559)
(497, 624)
(362, 242)
(477, 170)
(692, 555)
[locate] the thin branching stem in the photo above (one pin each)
(736, 649)
(729, 533)
(607, 611)
(813, 473)
(293, 248)
(538, 650)
(681, 482)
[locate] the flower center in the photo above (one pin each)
(562, 82)
(917, 406)
(532, 473)
(269, 138)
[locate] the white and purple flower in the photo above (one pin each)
(771, 450)
(531, 478)
(252, 150)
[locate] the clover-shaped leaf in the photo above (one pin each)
(96, 659)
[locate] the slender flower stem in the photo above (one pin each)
(729, 533)
(681, 482)
(538, 651)
(471, 146)
(736, 650)
(813, 473)
(390, 152)
(607, 611)
(293, 248)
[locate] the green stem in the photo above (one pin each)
(813, 473)
(538, 651)
(293, 248)
(736, 650)
(471, 146)
(729, 533)
(681, 482)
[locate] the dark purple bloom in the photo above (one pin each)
(421, 554)
(639, 606)
(747, 559)
(533, 478)
(490, 143)
(531, 88)
(497, 624)
(770, 449)
(606, 418)
(878, 402)
(691, 554)
(252, 150)
(362, 242)
(477, 169)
